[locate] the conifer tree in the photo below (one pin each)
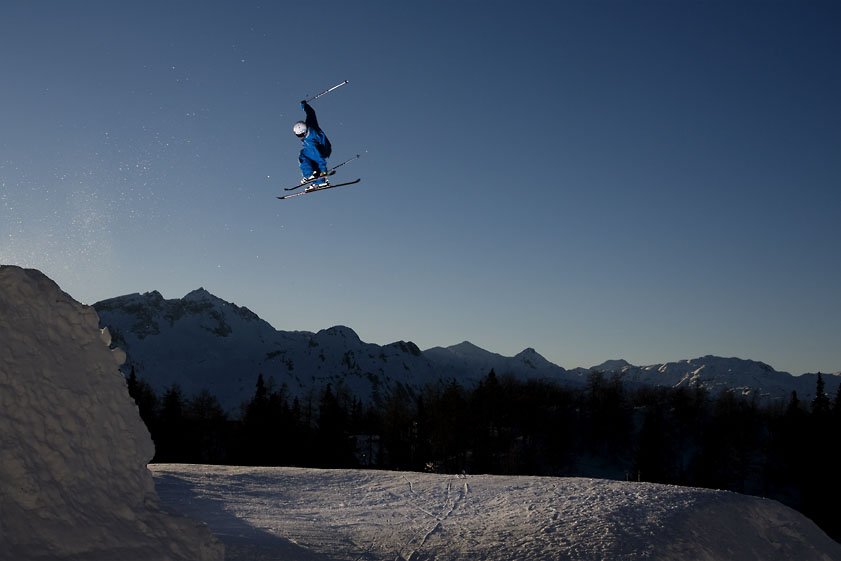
(255, 426)
(206, 423)
(145, 398)
(334, 446)
(793, 408)
(261, 392)
(172, 408)
(820, 405)
(171, 427)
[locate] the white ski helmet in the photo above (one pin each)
(300, 129)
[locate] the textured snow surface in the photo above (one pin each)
(289, 514)
(73, 450)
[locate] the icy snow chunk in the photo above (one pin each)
(73, 450)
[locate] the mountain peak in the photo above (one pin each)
(464, 345)
(199, 295)
(340, 332)
(614, 365)
(531, 358)
(530, 354)
(153, 297)
(466, 348)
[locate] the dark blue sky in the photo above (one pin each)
(645, 180)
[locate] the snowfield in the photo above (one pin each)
(291, 514)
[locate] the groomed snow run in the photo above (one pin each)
(288, 514)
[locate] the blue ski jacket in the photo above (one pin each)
(316, 146)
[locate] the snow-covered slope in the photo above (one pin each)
(466, 361)
(204, 342)
(73, 450)
(330, 515)
(744, 377)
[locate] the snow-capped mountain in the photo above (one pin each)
(203, 342)
(466, 361)
(717, 374)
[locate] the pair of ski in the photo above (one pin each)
(312, 185)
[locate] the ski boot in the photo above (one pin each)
(320, 182)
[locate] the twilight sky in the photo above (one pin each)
(648, 180)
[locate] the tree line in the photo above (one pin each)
(682, 436)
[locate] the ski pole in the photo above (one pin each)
(343, 163)
(313, 98)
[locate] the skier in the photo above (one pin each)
(315, 150)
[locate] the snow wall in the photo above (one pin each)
(73, 449)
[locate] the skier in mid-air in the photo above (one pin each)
(315, 150)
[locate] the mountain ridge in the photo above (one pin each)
(201, 342)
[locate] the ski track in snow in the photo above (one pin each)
(274, 514)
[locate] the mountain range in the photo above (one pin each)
(202, 342)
